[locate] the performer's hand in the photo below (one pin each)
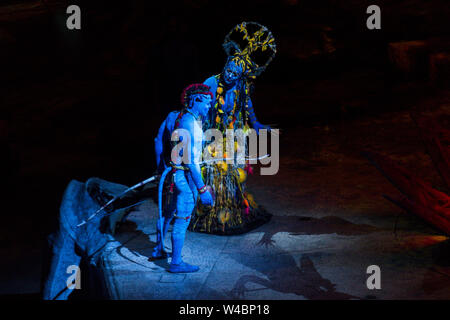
(206, 198)
(258, 126)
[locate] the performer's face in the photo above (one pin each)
(202, 103)
(231, 73)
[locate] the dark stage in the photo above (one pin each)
(88, 103)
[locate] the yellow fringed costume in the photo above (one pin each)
(235, 211)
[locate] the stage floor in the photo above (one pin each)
(291, 257)
(330, 223)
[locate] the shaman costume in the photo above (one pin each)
(187, 182)
(235, 210)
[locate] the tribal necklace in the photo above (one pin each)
(226, 121)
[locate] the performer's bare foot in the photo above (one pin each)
(183, 267)
(159, 254)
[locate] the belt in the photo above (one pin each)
(178, 167)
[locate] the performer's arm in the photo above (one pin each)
(251, 113)
(253, 120)
(196, 136)
(188, 123)
(211, 82)
(160, 165)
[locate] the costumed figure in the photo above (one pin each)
(181, 165)
(250, 48)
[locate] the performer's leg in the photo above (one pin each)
(185, 206)
(158, 251)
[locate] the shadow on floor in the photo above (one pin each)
(296, 225)
(128, 234)
(281, 271)
(283, 275)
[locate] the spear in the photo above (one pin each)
(147, 181)
(140, 184)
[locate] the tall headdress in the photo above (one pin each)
(253, 44)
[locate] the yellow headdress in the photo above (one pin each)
(251, 46)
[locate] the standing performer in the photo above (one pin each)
(187, 182)
(235, 211)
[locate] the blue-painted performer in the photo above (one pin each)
(183, 165)
(250, 48)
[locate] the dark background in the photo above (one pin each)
(82, 103)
